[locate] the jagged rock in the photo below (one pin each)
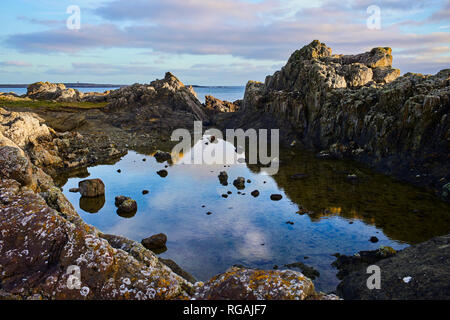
(248, 284)
(14, 165)
(53, 243)
(91, 188)
(52, 91)
(385, 74)
(356, 107)
(145, 104)
(214, 105)
(22, 127)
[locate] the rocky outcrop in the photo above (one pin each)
(360, 106)
(52, 91)
(416, 273)
(40, 247)
(214, 105)
(166, 103)
(247, 284)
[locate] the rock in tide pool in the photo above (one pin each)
(155, 242)
(239, 183)
(162, 156)
(126, 206)
(255, 193)
(276, 197)
(223, 178)
(248, 284)
(163, 173)
(91, 188)
(74, 190)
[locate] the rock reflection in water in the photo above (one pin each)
(329, 212)
(92, 205)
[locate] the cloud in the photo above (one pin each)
(20, 64)
(264, 30)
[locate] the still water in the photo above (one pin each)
(331, 213)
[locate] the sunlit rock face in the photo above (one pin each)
(397, 124)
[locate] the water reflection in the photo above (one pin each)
(92, 205)
(242, 229)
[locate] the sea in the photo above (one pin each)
(228, 93)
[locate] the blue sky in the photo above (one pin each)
(207, 42)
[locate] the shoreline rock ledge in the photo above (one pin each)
(357, 107)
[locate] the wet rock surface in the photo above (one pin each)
(39, 244)
(155, 242)
(247, 284)
(91, 188)
(416, 273)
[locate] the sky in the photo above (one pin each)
(208, 42)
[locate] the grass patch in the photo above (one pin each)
(42, 104)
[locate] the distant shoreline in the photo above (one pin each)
(70, 85)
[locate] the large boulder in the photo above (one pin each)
(52, 91)
(43, 255)
(248, 284)
(91, 188)
(14, 165)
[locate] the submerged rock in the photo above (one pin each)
(91, 188)
(308, 271)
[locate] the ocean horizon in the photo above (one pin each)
(227, 93)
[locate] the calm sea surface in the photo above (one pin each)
(330, 213)
(222, 93)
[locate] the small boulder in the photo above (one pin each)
(255, 193)
(155, 242)
(223, 178)
(91, 188)
(276, 197)
(239, 183)
(162, 156)
(163, 173)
